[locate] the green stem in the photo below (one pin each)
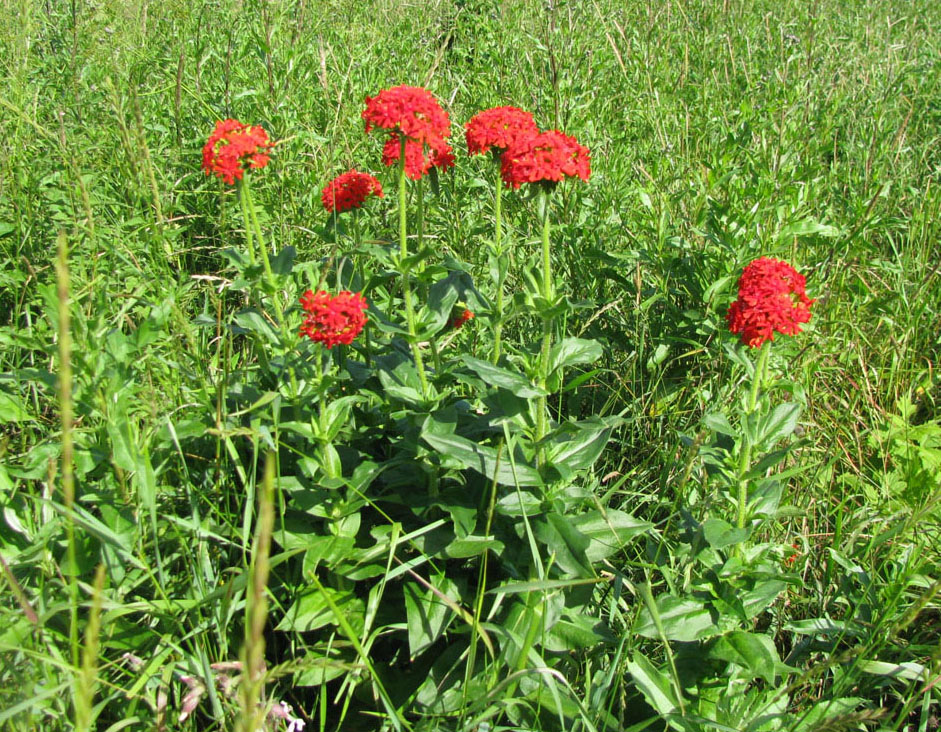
(432, 341)
(745, 459)
(406, 284)
(542, 407)
(252, 223)
(242, 187)
(498, 253)
(262, 247)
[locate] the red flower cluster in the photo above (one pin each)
(500, 128)
(549, 156)
(333, 319)
(232, 146)
(463, 317)
(411, 110)
(349, 190)
(771, 297)
(417, 161)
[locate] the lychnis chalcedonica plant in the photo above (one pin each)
(435, 512)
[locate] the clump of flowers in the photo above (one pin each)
(410, 110)
(333, 319)
(418, 161)
(458, 320)
(547, 157)
(350, 190)
(233, 147)
(499, 129)
(771, 298)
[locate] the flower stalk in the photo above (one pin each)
(498, 253)
(542, 406)
(745, 457)
(406, 283)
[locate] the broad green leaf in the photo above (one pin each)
(472, 546)
(825, 626)
(566, 542)
(483, 459)
(442, 296)
(252, 321)
(572, 351)
(576, 445)
(608, 532)
(718, 422)
(754, 653)
(576, 631)
(283, 262)
(759, 598)
(12, 409)
(518, 503)
(653, 684)
(400, 379)
(503, 378)
(683, 619)
(426, 613)
(908, 670)
(720, 534)
(814, 719)
(777, 425)
(311, 611)
(808, 227)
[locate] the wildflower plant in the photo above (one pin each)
(496, 130)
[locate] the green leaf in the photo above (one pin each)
(251, 320)
(754, 653)
(483, 459)
(720, 534)
(575, 631)
(426, 614)
(683, 619)
(283, 262)
(566, 542)
(653, 684)
(576, 445)
(400, 379)
(778, 424)
(808, 227)
(759, 598)
(608, 532)
(503, 378)
(815, 718)
(718, 422)
(311, 611)
(12, 409)
(472, 546)
(826, 627)
(572, 351)
(442, 296)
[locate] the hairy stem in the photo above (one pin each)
(745, 459)
(406, 283)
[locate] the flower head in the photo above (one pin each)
(500, 128)
(417, 160)
(410, 110)
(458, 320)
(333, 319)
(349, 190)
(771, 298)
(232, 147)
(549, 156)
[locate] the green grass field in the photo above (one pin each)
(647, 528)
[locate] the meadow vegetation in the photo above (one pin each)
(619, 518)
